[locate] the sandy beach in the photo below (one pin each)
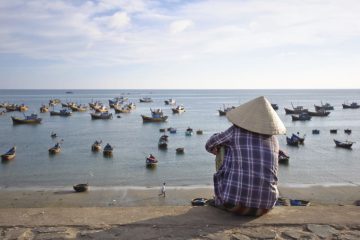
(142, 196)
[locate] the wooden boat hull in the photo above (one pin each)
(83, 187)
(291, 111)
(44, 110)
(343, 145)
(150, 119)
(96, 148)
(25, 121)
(107, 153)
(175, 110)
(103, 117)
(318, 114)
(180, 150)
(323, 108)
(53, 113)
(54, 150)
(117, 110)
(346, 106)
(7, 157)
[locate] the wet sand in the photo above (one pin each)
(141, 196)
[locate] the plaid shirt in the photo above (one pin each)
(248, 175)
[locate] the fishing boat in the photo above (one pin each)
(122, 110)
(315, 131)
(44, 109)
(199, 132)
(296, 137)
(78, 108)
(151, 161)
(189, 131)
(62, 113)
(283, 157)
(82, 187)
(130, 106)
(103, 115)
(345, 144)
(347, 131)
(180, 150)
(319, 113)
(178, 109)
(292, 142)
(172, 130)
(22, 108)
(9, 155)
(53, 102)
(95, 105)
(162, 144)
(326, 106)
(11, 107)
(154, 119)
(162, 130)
(108, 150)
(295, 110)
(117, 101)
(146, 100)
(101, 109)
(301, 117)
(222, 112)
(55, 149)
(353, 105)
(30, 119)
(275, 106)
(170, 101)
(96, 146)
(333, 131)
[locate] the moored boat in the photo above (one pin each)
(275, 106)
(326, 106)
(222, 112)
(170, 101)
(333, 131)
(347, 131)
(199, 132)
(292, 142)
(146, 100)
(315, 131)
(96, 146)
(172, 130)
(301, 117)
(30, 119)
(353, 105)
(344, 144)
(151, 161)
(152, 119)
(9, 155)
(283, 157)
(44, 109)
(62, 113)
(55, 149)
(295, 110)
(189, 131)
(103, 115)
(108, 150)
(122, 109)
(180, 150)
(296, 137)
(178, 109)
(319, 113)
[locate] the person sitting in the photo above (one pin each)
(246, 182)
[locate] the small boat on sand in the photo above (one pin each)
(29, 119)
(96, 147)
(55, 149)
(108, 150)
(82, 187)
(345, 144)
(151, 161)
(9, 155)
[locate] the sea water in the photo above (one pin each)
(318, 161)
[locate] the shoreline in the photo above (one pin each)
(149, 196)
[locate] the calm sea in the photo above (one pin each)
(317, 162)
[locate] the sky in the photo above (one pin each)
(173, 44)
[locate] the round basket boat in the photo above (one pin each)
(83, 187)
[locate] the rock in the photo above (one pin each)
(298, 234)
(17, 233)
(259, 233)
(350, 235)
(216, 236)
(322, 231)
(53, 235)
(239, 236)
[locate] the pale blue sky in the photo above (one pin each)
(180, 44)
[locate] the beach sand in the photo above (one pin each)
(141, 196)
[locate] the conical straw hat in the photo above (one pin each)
(257, 116)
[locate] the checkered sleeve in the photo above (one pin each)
(219, 139)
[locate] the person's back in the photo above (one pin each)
(246, 182)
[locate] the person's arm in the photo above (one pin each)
(218, 139)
